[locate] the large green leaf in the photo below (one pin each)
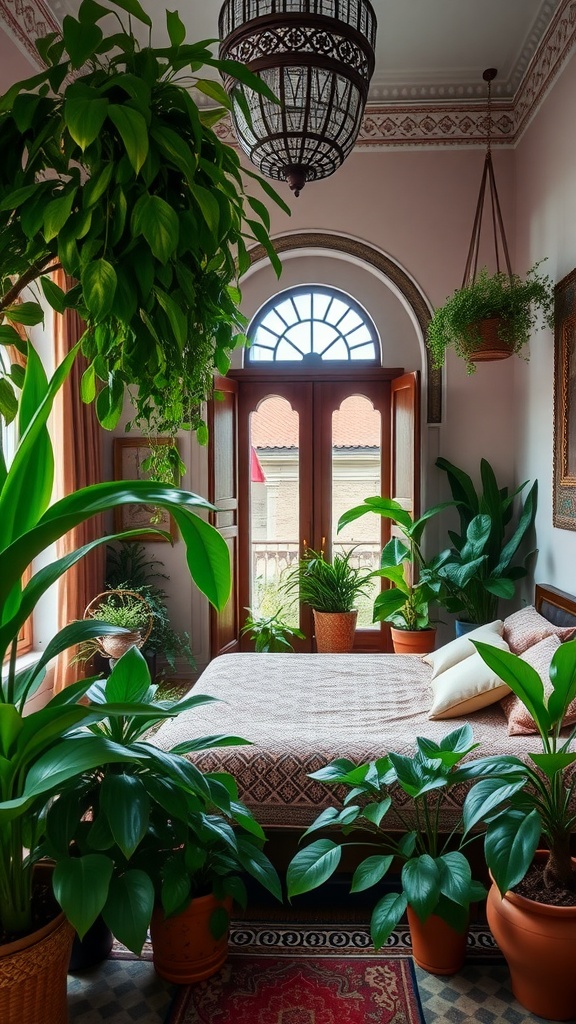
(487, 796)
(129, 908)
(66, 760)
(81, 888)
(510, 843)
(84, 118)
(421, 884)
(99, 286)
(126, 804)
(312, 866)
(385, 916)
(370, 872)
(158, 222)
(255, 862)
(522, 679)
(133, 131)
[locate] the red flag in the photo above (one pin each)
(256, 471)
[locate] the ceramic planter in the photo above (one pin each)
(33, 975)
(538, 941)
(492, 346)
(184, 949)
(413, 641)
(334, 631)
(436, 946)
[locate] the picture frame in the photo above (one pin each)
(564, 487)
(129, 454)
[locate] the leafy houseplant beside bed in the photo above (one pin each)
(532, 904)
(331, 590)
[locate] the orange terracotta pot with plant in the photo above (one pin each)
(532, 903)
(331, 589)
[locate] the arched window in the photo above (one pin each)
(312, 324)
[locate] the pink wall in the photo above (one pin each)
(546, 219)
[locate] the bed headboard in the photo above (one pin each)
(555, 605)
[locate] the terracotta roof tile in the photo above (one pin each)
(355, 425)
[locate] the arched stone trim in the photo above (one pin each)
(388, 268)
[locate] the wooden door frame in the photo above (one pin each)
(254, 382)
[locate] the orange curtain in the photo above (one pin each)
(78, 456)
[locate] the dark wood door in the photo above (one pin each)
(223, 492)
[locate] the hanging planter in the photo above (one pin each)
(125, 608)
(491, 316)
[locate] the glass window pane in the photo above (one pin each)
(274, 506)
(356, 474)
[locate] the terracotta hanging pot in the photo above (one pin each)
(413, 641)
(184, 949)
(491, 346)
(538, 941)
(33, 975)
(335, 631)
(436, 946)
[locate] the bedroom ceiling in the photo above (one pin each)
(429, 61)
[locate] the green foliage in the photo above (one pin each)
(435, 878)
(45, 750)
(522, 304)
(326, 586)
(112, 171)
(406, 603)
(483, 565)
(151, 827)
(537, 800)
(122, 609)
(270, 633)
(128, 566)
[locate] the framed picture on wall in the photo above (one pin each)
(130, 455)
(564, 490)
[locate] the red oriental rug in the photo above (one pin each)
(293, 990)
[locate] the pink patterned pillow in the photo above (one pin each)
(525, 628)
(520, 721)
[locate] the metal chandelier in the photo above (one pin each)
(317, 57)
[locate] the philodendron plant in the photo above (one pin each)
(111, 171)
(153, 828)
(532, 800)
(40, 752)
(436, 877)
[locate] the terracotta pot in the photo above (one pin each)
(413, 641)
(492, 346)
(436, 946)
(33, 975)
(335, 631)
(538, 941)
(184, 949)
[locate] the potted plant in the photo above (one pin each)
(435, 886)
(153, 830)
(483, 565)
(271, 634)
(117, 176)
(491, 317)
(42, 751)
(331, 590)
(123, 608)
(406, 605)
(532, 903)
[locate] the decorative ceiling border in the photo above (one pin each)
(26, 21)
(455, 122)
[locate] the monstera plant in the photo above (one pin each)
(111, 171)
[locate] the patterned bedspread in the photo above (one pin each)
(302, 710)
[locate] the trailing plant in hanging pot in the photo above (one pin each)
(111, 171)
(519, 307)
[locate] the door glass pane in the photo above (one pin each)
(274, 505)
(356, 474)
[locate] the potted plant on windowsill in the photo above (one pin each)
(331, 589)
(43, 751)
(436, 885)
(532, 903)
(154, 831)
(491, 317)
(487, 558)
(406, 605)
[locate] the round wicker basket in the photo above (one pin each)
(116, 645)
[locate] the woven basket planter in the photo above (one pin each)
(492, 346)
(115, 645)
(334, 631)
(33, 976)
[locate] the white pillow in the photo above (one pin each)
(467, 687)
(455, 652)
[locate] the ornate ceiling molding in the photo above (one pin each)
(429, 120)
(27, 20)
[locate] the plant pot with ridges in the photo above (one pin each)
(192, 945)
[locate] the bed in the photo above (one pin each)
(301, 711)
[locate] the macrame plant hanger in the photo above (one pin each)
(499, 235)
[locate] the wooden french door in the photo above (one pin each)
(316, 497)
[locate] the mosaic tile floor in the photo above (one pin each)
(127, 991)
